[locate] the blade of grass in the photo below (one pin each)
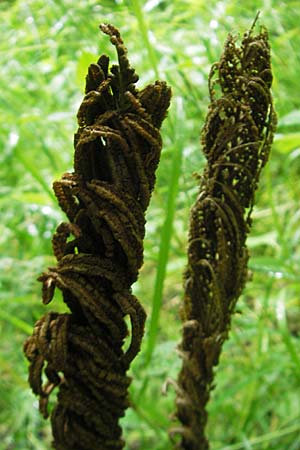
(172, 193)
(149, 420)
(16, 322)
(285, 332)
(138, 12)
(166, 234)
(268, 437)
(276, 216)
(258, 362)
(33, 170)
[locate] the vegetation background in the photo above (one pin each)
(45, 50)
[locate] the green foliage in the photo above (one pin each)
(45, 50)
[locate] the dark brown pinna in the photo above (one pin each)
(236, 141)
(99, 252)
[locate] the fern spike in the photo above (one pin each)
(99, 252)
(236, 141)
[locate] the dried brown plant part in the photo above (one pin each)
(236, 141)
(99, 253)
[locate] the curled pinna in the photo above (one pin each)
(99, 252)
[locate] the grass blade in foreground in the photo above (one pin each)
(236, 141)
(117, 150)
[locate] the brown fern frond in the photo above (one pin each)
(236, 141)
(99, 253)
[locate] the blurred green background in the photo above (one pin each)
(45, 50)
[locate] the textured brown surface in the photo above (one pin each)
(99, 252)
(236, 141)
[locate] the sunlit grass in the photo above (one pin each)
(45, 50)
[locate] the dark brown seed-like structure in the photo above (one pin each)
(99, 252)
(236, 141)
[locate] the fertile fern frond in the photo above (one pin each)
(117, 149)
(236, 141)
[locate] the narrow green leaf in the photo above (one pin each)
(16, 322)
(285, 332)
(167, 229)
(268, 437)
(138, 12)
(33, 169)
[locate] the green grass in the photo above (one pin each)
(45, 50)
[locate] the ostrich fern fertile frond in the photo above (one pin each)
(117, 149)
(236, 141)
